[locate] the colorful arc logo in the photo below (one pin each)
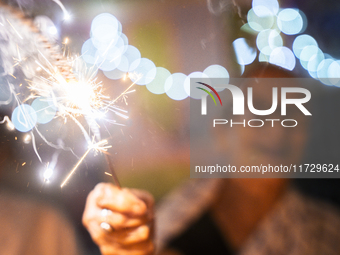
(210, 87)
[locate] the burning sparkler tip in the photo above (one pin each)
(67, 16)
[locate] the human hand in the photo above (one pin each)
(120, 221)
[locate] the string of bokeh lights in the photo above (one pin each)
(267, 21)
(108, 48)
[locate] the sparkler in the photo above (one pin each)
(65, 86)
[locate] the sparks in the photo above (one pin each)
(59, 86)
(99, 147)
(67, 16)
(10, 125)
(16, 31)
(27, 138)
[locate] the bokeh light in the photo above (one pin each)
(334, 72)
(144, 73)
(264, 20)
(263, 57)
(290, 21)
(104, 64)
(314, 61)
(301, 42)
(307, 54)
(88, 52)
(44, 109)
(245, 54)
(191, 91)
(261, 7)
(130, 59)
(217, 71)
(323, 71)
(174, 86)
(268, 40)
(24, 118)
(284, 57)
(105, 28)
(157, 85)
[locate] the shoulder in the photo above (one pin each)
(297, 225)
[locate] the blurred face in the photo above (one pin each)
(268, 145)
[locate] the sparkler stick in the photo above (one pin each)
(112, 170)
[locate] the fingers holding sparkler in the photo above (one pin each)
(124, 200)
(128, 219)
(112, 170)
